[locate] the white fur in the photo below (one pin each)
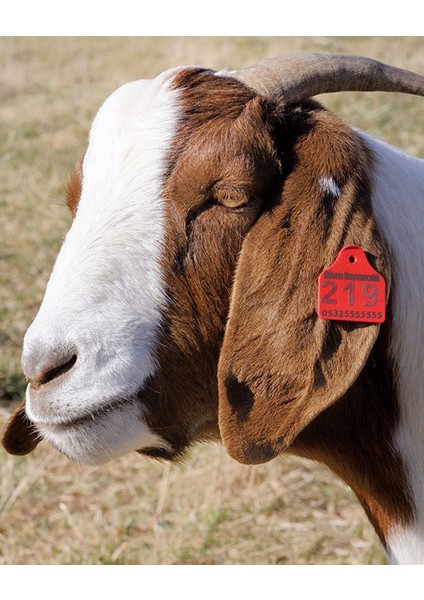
(406, 545)
(106, 293)
(329, 186)
(105, 437)
(398, 202)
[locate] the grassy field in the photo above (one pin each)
(210, 510)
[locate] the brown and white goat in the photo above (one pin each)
(183, 303)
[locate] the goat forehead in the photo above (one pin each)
(133, 126)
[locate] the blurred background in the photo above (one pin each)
(210, 510)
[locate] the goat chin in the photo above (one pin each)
(99, 438)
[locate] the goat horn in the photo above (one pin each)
(298, 76)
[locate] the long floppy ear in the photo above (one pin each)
(281, 365)
(20, 436)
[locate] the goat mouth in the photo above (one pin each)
(87, 418)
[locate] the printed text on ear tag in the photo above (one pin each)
(351, 290)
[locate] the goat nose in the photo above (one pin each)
(46, 367)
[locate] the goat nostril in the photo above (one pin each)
(53, 373)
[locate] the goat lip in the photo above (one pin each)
(66, 425)
(84, 419)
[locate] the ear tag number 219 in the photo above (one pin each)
(351, 290)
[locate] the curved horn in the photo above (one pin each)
(298, 76)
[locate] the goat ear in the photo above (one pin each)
(20, 436)
(280, 365)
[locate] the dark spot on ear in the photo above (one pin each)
(286, 220)
(319, 378)
(332, 342)
(308, 323)
(257, 453)
(328, 204)
(239, 396)
(325, 213)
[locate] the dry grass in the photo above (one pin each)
(210, 510)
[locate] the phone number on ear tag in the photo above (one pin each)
(351, 290)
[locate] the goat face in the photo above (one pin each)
(182, 304)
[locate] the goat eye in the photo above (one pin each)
(231, 197)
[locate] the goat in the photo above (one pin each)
(183, 303)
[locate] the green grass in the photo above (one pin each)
(211, 510)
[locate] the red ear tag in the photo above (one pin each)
(351, 290)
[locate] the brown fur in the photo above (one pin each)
(287, 381)
(353, 437)
(305, 363)
(74, 188)
(216, 151)
(20, 436)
